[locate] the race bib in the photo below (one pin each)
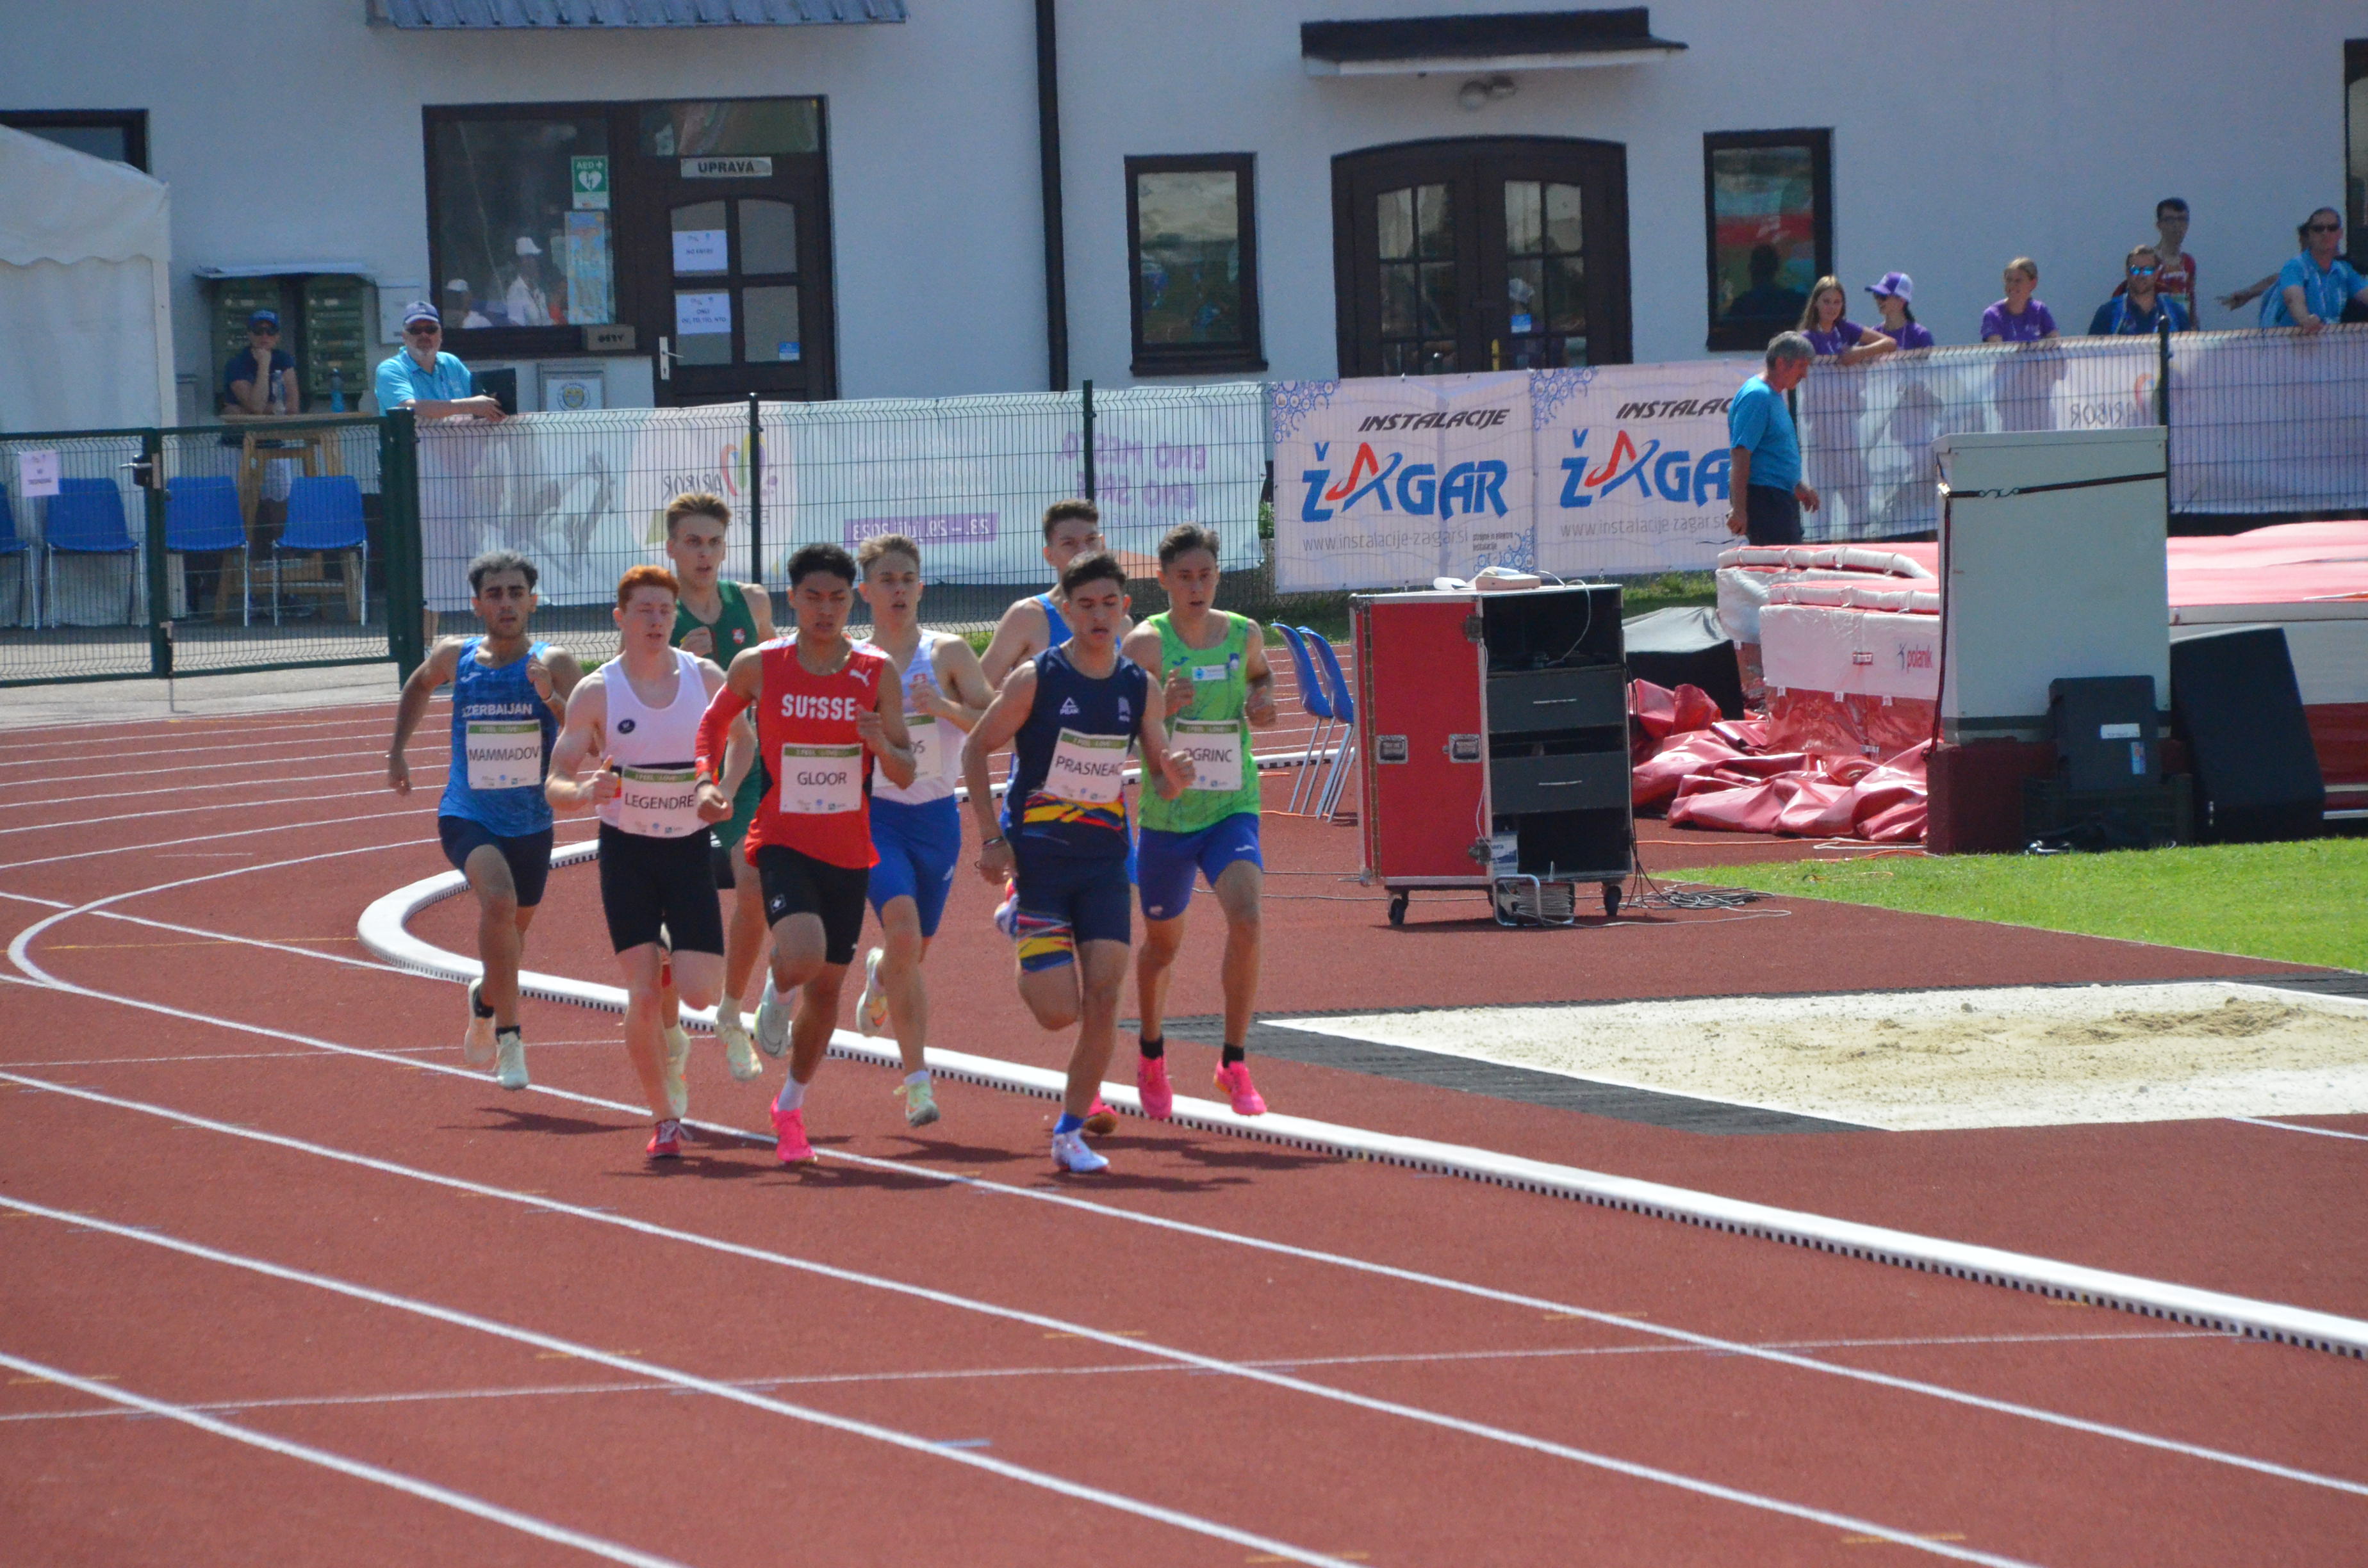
(929, 754)
(1215, 748)
(1087, 769)
(818, 782)
(658, 802)
(504, 753)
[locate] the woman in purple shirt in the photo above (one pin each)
(1899, 323)
(2018, 318)
(1833, 335)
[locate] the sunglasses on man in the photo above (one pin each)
(2326, 228)
(422, 329)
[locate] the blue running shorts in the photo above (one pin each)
(919, 845)
(1064, 899)
(1166, 861)
(529, 854)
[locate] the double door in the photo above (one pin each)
(1503, 254)
(735, 264)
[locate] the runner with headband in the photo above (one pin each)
(1069, 716)
(507, 695)
(826, 709)
(916, 828)
(1216, 682)
(640, 714)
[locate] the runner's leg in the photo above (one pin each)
(902, 948)
(1240, 890)
(743, 941)
(645, 1024)
(501, 927)
(1162, 940)
(1101, 971)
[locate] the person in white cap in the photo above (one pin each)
(456, 304)
(1899, 323)
(424, 379)
(527, 303)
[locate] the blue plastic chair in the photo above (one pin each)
(324, 515)
(1317, 706)
(201, 514)
(85, 517)
(13, 543)
(1344, 708)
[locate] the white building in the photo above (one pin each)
(857, 207)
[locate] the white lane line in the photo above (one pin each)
(235, 833)
(1104, 1369)
(189, 751)
(18, 954)
(1730, 1347)
(185, 811)
(1148, 1347)
(2298, 1127)
(655, 1372)
(45, 780)
(228, 722)
(417, 768)
(526, 1524)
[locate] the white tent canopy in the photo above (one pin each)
(84, 302)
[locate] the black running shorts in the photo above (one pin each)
(647, 882)
(797, 883)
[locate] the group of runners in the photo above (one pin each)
(814, 774)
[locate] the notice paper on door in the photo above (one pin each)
(37, 473)
(695, 315)
(699, 250)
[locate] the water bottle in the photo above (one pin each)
(337, 388)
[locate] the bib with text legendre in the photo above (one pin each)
(1087, 769)
(504, 753)
(821, 781)
(1215, 748)
(659, 802)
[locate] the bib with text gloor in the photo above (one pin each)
(1087, 769)
(659, 802)
(504, 753)
(821, 781)
(1215, 748)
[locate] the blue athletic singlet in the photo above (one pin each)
(1069, 760)
(1056, 625)
(501, 746)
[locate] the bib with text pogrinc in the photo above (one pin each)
(1215, 748)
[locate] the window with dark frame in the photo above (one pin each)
(1767, 207)
(1191, 233)
(119, 135)
(518, 230)
(2355, 147)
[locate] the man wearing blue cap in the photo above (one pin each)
(261, 378)
(424, 379)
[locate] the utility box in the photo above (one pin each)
(2105, 732)
(1493, 746)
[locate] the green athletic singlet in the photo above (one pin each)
(735, 633)
(1213, 727)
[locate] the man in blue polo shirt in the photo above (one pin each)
(421, 377)
(1764, 487)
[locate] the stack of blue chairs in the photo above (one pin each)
(85, 517)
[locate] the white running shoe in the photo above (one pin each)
(772, 1021)
(477, 1045)
(871, 1011)
(739, 1051)
(1007, 913)
(677, 1057)
(509, 1066)
(1070, 1153)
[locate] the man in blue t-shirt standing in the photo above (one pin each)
(423, 378)
(1765, 484)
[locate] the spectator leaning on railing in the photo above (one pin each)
(2018, 318)
(1834, 334)
(2311, 289)
(430, 382)
(2174, 277)
(1899, 323)
(1764, 483)
(261, 378)
(2139, 306)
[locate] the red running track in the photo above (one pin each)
(248, 1185)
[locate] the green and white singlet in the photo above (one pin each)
(1213, 728)
(735, 633)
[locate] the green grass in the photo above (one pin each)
(2304, 903)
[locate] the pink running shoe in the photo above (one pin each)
(792, 1126)
(1100, 1120)
(1151, 1082)
(667, 1142)
(1235, 1081)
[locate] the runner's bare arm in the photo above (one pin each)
(721, 730)
(1014, 641)
(991, 733)
(1174, 768)
(883, 731)
(1260, 707)
(442, 662)
(739, 751)
(588, 716)
(544, 673)
(963, 691)
(759, 600)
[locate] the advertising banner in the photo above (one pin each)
(1386, 483)
(1632, 466)
(2269, 421)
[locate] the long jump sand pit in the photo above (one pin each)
(2024, 1056)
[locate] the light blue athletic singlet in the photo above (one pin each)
(1056, 625)
(502, 735)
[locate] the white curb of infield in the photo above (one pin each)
(385, 931)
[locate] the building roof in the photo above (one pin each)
(558, 13)
(1521, 40)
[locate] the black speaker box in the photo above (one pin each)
(2234, 701)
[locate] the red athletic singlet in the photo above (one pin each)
(820, 802)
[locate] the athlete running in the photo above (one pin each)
(1069, 715)
(1214, 677)
(1035, 623)
(719, 620)
(640, 714)
(916, 828)
(507, 693)
(826, 707)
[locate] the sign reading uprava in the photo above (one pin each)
(727, 168)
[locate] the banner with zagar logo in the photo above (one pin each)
(1632, 466)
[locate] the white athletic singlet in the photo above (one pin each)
(936, 745)
(654, 747)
